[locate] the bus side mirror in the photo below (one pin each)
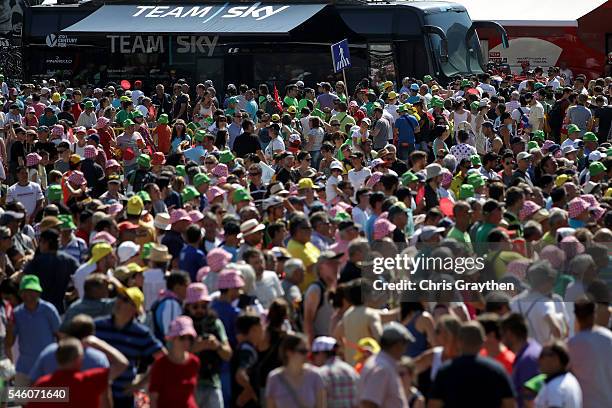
(429, 29)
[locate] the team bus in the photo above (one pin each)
(249, 42)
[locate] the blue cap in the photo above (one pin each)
(414, 87)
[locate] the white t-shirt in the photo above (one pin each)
(562, 392)
(536, 112)
(268, 288)
(535, 308)
(357, 178)
(392, 110)
(26, 195)
(154, 282)
(330, 191)
(78, 279)
(554, 83)
(360, 217)
(275, 144)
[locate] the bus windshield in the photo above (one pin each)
(455, 23)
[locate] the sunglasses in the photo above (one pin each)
(335, 124)
(254, 174)
(302, 351)
(198, 306)
(209, 162)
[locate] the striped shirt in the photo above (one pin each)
(135, 341)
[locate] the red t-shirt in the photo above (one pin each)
(85, 387)
(506, 358)
(175, 383)
(164, 134)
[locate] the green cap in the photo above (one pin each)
(466, 191)
(539, 135)
(408, 177)
(475, 159)
(402, 108)
(240, 194)
(124, 98)
(144, 160)
(180, 170)
(192, 127)
(55, 193)
(476, 180)
(427, 78)
(89, 105)
(30, 282)
(532, 144)
(226, 156)
(128, 122)
(608, 152)
(474, 105)
(189, 193)
(589, 137)
(137, 114)
(572, 129)
(536, 383)
(163, 119)
(538, 85)
(145, 253)
(209, 120)
(199, 135)
(144, 196)
(342, 216)
(596, 168)
(437, 102)
(231, 100)
(465, 82)
(200, 178)
(66, 221)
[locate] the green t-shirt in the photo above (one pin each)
(483, 232)
(290, 101)
(122, 116)
(463, 237)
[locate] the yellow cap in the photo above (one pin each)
(387, 84)
(292, 109)
(366, 344)
(392, 95)
(305, 183)
(561, 180)
(133, 267)
(56, 97)
(135, 205)
(99, 251)
(135, 295)
(608, 193)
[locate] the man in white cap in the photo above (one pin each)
(340, 377)
(380, 384)
(433, 178)
(251, 232)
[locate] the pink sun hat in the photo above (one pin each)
(179, 215)
(90, 152)
(382, 228)
(111, 163)
(115, 209)
(102, 122)
(33, 159)
(213, 193)
(217, 259)
(104, 236)
(220, 170)
(181, 326)
(76, 178)
(374, 178)
(197, 292)
(196, 216)
(577, 206)
(529, 208)
(230, 279)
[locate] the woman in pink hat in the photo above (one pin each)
(108, 139)
(174, 376)
(211, 345)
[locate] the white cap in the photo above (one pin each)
(126, 250)
(335, 165)
(323, 343)
(595, 156)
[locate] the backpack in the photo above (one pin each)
(210, 362)
(523, 125)
(155, 326)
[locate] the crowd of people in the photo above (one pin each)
(206, 248)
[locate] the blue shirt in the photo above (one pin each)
(233, 131)
(47, 363)
(174, 241)
(135, 341)
(231, 250)
(191, 260)
(174, 199)
(573, 223)
(34, 331)
(369, 227)
(228, 314)
(405, 125)
(195, 153)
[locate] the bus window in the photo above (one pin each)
(381, 63)
(455, 24)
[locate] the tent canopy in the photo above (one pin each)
(241, 18)
(518, 13)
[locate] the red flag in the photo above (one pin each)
(279, 104)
